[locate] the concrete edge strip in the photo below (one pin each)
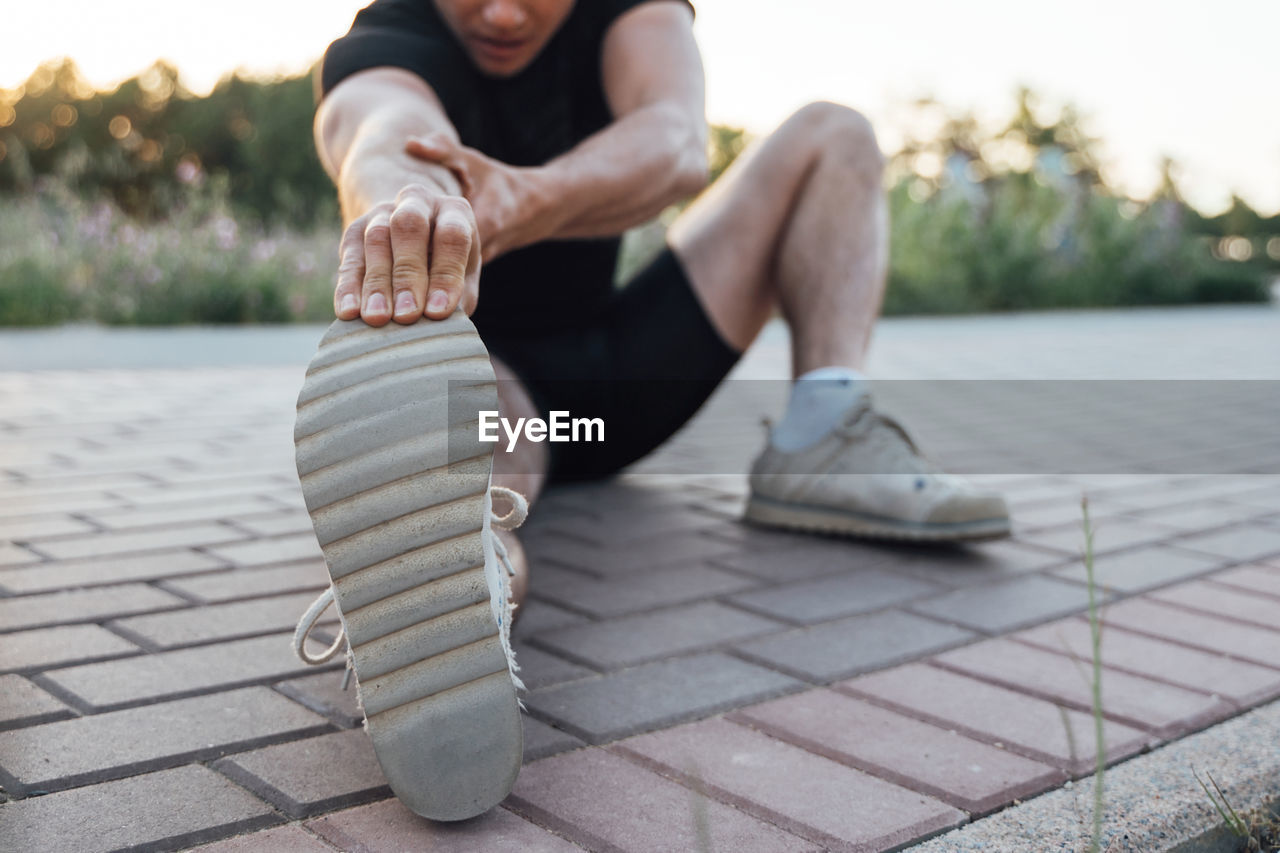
(1152, 801)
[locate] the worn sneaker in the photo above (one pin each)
(867, 478)
(399, 490)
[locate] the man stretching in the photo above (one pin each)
(487, 155)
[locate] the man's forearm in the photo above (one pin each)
(625, 174)
(375, 167)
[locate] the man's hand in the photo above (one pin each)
(511, 204)
(417, 255)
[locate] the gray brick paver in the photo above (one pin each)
(46, 647)
(104, 571)
(238, 584)
(636, 639)
(184, 671)
(995, 608)
(23, 703)
(859, 591)
(389, 827)
(855, 644)
(96, 545)
(313, 775)
(83, 605)
(654, 695)
(170, 809)
(228, 621)
(1141, 568)
(89, 749)
(638, 591)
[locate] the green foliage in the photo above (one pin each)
(143, 143)
(66, 259)
(148, 204)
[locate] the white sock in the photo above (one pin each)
(819, 399)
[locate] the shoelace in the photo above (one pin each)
(510, 521)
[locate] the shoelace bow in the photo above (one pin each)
(510, 521)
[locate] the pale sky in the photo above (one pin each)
(1193, 80)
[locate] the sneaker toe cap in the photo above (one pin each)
(966, 507)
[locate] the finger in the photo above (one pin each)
(376, 294)
(346, 296)
(410, 238)
(452, 240)
(443, 155)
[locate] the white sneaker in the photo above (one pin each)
(867, 478)
(399, 490)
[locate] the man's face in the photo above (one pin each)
(504, 36)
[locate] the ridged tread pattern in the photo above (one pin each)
(395, 479)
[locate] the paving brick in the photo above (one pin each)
(311, 776)
(262, 552)
(1226, 636)
(274, 524)
(1109, 534)
(86, 605)
(1244, 683)
(633, 528)
(1055, 514)
(797, 790)
(1141, 568)
(203, 668)
(323, 694)
(635, 639)
(855, 644)
(389, 827)
(45, 647)
(1033, 727)
(46, 577)
(1256, 579)
(229, 621)
(543, 669)
(641, 591)
(535, 616)
(610, 561)
(90, 749)
(1267, 499)
(996, 608)
(239, 584)
(1130, 699)
(152, 494)
(26, 505)
(815, 558)
(99, 545)
(23, 703)
(1222, 601)
(16, 555)
(603, 801)
(542, 740)
(1244, 542)
(961, 771)
(166, 811)
(977, 564)
(846, 594)
(290, 838)
(654, 695)
(1204, 516)
(129, 518)
(26, 528)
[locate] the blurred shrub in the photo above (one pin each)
(68, 259)
(150, 205)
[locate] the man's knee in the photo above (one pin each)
(838, 129)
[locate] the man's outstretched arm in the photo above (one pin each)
(653, 154)
(400, 213)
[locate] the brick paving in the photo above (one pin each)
(694, 684)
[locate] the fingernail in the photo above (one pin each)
(405, 303)
(377, 304)
(439, 301)
(349, 303)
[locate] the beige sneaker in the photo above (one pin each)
(867, 478)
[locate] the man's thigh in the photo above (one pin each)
(644, 366)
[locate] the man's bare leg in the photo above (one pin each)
(797, 222)
(524, 469)
(800, 222)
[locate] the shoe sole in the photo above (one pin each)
(396, 482)
(812, 519)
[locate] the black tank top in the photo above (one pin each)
(525, 120)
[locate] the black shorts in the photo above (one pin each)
(643, 363)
